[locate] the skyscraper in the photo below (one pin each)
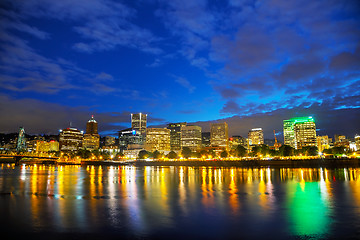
(91, 140)
(256, 136)
(175, 135)
(21, 141)
(300, 132)
(219, 136)
(70, 139)
(157, 139)
(138, 121)
(92, 126)
(191, 137)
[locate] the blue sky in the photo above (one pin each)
(250, 63)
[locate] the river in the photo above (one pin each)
(126, 202)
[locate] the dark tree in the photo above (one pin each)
(172, 155)
(143, 154)
(286, 150)
(240, 151)
(156, 154)
(186, 152)
(224, 154)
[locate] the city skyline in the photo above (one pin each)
(249, 64)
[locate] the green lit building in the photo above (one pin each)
(300, 132)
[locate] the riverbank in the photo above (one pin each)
(308, 163)
(289, 163)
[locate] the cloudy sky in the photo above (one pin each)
(250, 63)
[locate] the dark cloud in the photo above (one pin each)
(40, 117)
(231, 107)
(103, 24)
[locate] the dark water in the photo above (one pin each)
(57, 202)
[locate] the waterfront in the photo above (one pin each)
(179, 202)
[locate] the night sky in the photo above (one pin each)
(250, 63)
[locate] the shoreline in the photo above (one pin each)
(291, 163)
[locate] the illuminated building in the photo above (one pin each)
(256, 136)
(21, 141)
(91, 140)
(323, 142)
(357, 142)
(109, 141)
(92, 126)
(300, 132)
(234, 141)
(70, 139)
(138, 121)
(157, 139)
(219, 136)
(341, 141)
(175, 135)
(44, 146)
(131, 139)
(191, 137)
(205, 139)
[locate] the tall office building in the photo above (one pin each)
(191, 137)
(205, 139)
(70, 139)
(256, 136)
(110, 141)
(219, 135)
(323, 142)
(91, 140)
(157, 139)
(92, 126)
(131, 139)
(175, 135)
(138, 121)
(300, 132)
(21, 141)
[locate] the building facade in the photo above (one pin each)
(191, 137)
(157, 139)
(219, 136)
(138, 121)
(91, 140)
(70, 139)
(256, 136)
(131, 138)
(44, 146)
(175, 135)
(205, 139)
(323, 142)
(110, 141)
(300, 132)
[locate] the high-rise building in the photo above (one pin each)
(70, 139)
(234, 141)
(205, 139)
(305, 134)
(92, 126)
(157, 139)
(91, 140)
(357, 142)
(191, 137)
(138, 121)
(21, 141)
(323, 142)
(219, 135)
(109, 141)
(131, 139)
(175, 135)
(256, 136)
(300, 132)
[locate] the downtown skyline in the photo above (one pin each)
(250, 64)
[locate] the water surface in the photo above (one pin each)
(179, 202)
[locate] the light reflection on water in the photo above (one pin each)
(187, 201)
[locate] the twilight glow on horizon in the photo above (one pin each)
(249, 63)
